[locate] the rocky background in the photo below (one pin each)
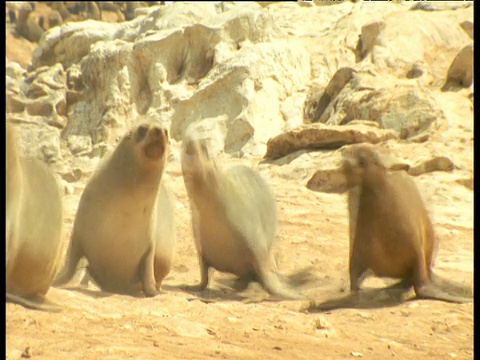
(283, 87)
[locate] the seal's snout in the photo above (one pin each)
(155, 139)
(158, 133)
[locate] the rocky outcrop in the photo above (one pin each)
(36, 101)
(180, 64)
(245, 76)
(395, 104)
(320, 136)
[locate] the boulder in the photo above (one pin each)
(460, 72)
(320, 136)
(394, 103)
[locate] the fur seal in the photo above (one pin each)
(124, 223)
(28, 26)
(33, 230)
(234, 221)
(390, 229)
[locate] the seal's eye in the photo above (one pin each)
(362, 161)
(141, 132)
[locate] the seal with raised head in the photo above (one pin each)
(390, 229)
(234, 221)
(33, 229)
(124, 222)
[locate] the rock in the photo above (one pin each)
(426, 33)
(54, 19)
(40, 95)
(320, 136)
(322, 326)
(367, 39)
(175, 70)
(336, 84)
(415, 72)
(38, 139)
(437, 163)
(79, 144)
(467, 182)
(441, 5)
(69, 43)
(36, 101)
(100, 150)
(460, 72)
(27, 24)
(68, 189)
(467, 26)
(312, 101)
(403, 107)
(238, 73)
(14, 70)
(292, 110)
(72, 175)
(328, 180)
(240, 88)
(365, 122)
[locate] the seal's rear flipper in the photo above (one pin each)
(37, 302)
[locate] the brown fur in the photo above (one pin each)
(124, 222)
(391, 232)
(234, 221)
(33, 229)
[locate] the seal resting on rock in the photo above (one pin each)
(390, 229)
(234, 221)
(124, 223)
(33, 229)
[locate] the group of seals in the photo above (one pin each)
(124, 222)
(390, 230)
(33, 229)
(234, 221)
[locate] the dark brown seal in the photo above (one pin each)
(33, 229)
(390, 229)
(124, 223)
(234, 221)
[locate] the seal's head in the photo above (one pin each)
(150, 143)
(199, 169)
(362, 166)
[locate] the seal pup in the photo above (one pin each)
(33, 229)
(124, 223)
(390, 229)
(234, 221)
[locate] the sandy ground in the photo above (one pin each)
(313, 231)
